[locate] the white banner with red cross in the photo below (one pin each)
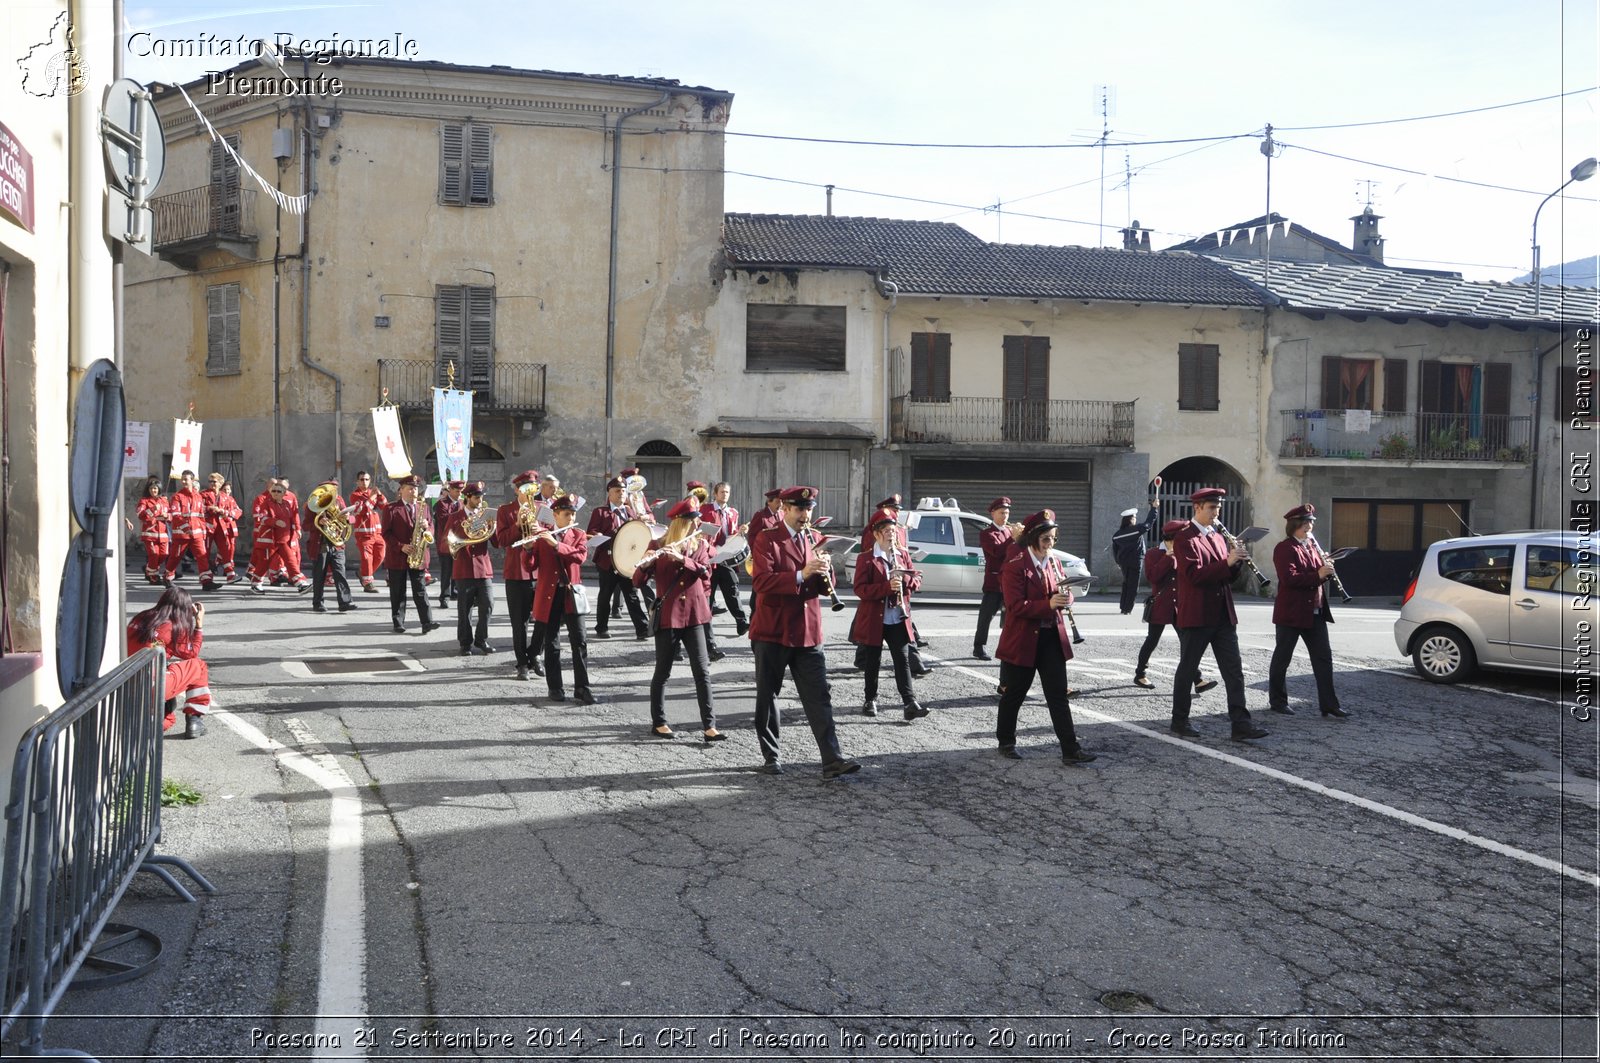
(391, 441)
(136, 450)
(185, 447)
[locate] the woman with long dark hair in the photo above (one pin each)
(174, 624)
(153, 517)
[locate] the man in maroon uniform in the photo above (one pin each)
(767, 518)
(1034, 639)
(517, 569)
(558, 560)
(786, 632)
(327, 560)
(1161, 609)
(189, 529)
(366, 514)
(997, 541)
(1301, 611)
(403, 565)
(447, 505)
(1207, 564)
(605, 520)
(472, 572)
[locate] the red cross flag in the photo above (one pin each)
(391, 441)
(136, 450)
(185, 447)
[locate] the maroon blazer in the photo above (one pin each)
(469, 562)
(1028, 594)
(872, 587)
(557, 566)
(1205, 592)
(1300, 592)
(1162, 572)
(787, 611)
(605, 521)
(518, 562)
(683, 597)
(318, 540)
(759, 523)
(996, 543)
(398, 528)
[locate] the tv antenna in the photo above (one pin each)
(1106, 99)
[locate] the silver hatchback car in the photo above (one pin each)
(1512, 601)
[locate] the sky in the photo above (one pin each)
(1456, 192)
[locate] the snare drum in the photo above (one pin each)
(631, 543)
(733, 552)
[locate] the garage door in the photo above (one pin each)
(1031, 486)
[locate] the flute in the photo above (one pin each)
(1338, 584)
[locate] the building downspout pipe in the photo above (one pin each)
(611, 274)
(890, 291)
(1533, 432)
(306, 183)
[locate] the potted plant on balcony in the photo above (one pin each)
(1395, 446)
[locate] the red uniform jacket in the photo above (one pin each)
(186, 650)
(556, 567)
(726, 519)
(683, 596)
(996, 542)
(367, 511)
(262, 529)
(1162, 572)
(519, 562)
(283, 520)
(399, 526)
(468, 562)
(1205, 594)
(152, 514)
(787, 611)
(872, 587)
(1028, 594)
(318, 540)
(225, 519)
(605, 521)
(188, 515)
(1300, 592)
(444, 507)
(761, 522)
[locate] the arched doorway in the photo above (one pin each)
(484, 463)
(661, 464)
(1181, 478)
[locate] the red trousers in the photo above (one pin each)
(195, 546)
(260, 551)
(226, 544)
(370, 546)
(192, 679)
(155, 556)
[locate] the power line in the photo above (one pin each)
(1096, 143)
(1429, 117)
(1424, 173)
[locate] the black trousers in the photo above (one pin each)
(1130, 586)
(992, 603)
(1151, 638)
(330, 558)
(809, 668)
(723, 580)
(611, 584)
(519, 606)
(1050, 664)
(546, 636)
(1316, 640)
(1223, 639)
(895, 637)
(470, 593)
(694, 640)
(447, 581)
(399, 578)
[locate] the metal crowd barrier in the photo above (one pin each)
(82, 817)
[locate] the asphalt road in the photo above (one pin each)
(543, 880)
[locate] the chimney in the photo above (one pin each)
(1366, 240)
(1135, 238)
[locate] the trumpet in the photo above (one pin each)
(1338, 584)
(1249, 562)
(827, 573)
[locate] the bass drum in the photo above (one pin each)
(733, 553)
(631, 543)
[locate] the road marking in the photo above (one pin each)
(341, 989)
(1408, 818)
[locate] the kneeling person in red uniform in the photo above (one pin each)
(884, 581)
(174, 624)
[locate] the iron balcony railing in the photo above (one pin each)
(205, 213)
(1078, 422)
(1361, 435)
(510, 386)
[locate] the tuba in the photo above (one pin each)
(478, 526)
(329, 519)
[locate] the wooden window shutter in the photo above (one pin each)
(941, 367)
(481, 160)
(1332, 389)
(1038, 367)
(922, 367)
(1014, 379)
(1210, 376)
(215, 327)
(1394, 385)
(1428, 386)
(1497, 389)
(451, 138)
(450, 315)
(1188, 377)
(480, 338)
(224, 191)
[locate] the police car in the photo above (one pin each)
(944, 541)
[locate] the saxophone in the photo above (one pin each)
(421, 536)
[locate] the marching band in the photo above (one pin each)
(697, 553)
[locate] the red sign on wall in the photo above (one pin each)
(16, 180)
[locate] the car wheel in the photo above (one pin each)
(1443, 655)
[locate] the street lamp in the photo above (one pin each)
(1581, 172)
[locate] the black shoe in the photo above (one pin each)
(923, 672)
(466, 651)
(347, 606)
(641, 635)
(1247, 732)
(522, 673)
(482, 649)
(980, 654)
(318, 607)
(558, 695)
(193, 726)
(834, 769)
(399, 628)
(1281, 710)
(1010, 753)
(716, 654)
(922, 643)
(1078, 756)
(1204, 685)
(430, 626)
(602, 634)
(302, 588)
(1183, 729)
(915, 711)
(740, 626)
(1000, 689)
(771, 767)
(717, 610)
(1140, 681)
(583, 697)
(1336, 712)
(538, 667)
(869, 707)
(443, 604)
(720, 736)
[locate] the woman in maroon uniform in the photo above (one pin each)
(884, 581)
(1162, 607)
(1301, 612)
(681, 565)
(174, 624)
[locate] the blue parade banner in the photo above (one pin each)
(452, 432)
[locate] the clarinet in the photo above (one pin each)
(1061, 585)
(1338, 584)
(1249, 562)
(827, 573)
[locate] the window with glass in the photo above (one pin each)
(1484, 568)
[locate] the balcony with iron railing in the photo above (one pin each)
(1068, 422)
(198, 220)
(1330, 437)
(508, 387)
